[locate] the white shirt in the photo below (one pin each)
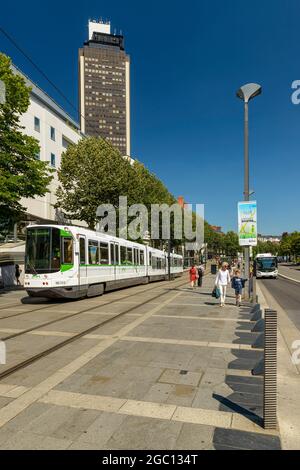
(223, 278)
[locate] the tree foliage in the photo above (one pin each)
(93, 172)
(290, 244)
(21, 173)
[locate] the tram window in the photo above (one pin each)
(129, 256)
(104, 258)
(82, 250)
(154, 262)
(123, 254)
(136, 256)
(112, 253)
(55, 245)
(93, 252)
(43, 251)
(117, 254)
(67, 250)
(150, 259)
(163, 263)
(142, 258)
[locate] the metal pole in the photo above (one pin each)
(254, 300)
(15, 231)
(169, 259)
(246, 193)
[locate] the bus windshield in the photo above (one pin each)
(43, 253)
(266, 264)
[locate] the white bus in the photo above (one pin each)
(265, 265)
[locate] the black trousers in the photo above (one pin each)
(200, 281)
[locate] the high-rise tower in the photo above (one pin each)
(104, 86)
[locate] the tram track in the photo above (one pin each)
(71, 315)
(76, 336)
(50, 306)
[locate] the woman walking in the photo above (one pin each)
(193, 276)
(222, 281)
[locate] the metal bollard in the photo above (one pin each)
(259, 342)
(259, 326)
(254, 296)
(270, 370)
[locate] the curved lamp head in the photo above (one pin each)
(248, 91)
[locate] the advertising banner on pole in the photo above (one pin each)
(247, 218)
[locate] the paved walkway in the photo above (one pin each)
(173, 374)
(288, 372)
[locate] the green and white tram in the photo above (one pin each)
(74, 262)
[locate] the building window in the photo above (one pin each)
(52, 133)
(52, 161)
(65, 142)
(37, 126)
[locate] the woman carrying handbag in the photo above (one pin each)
(222, 281)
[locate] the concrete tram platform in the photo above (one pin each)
(174, 373)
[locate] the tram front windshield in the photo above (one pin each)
(43, 252)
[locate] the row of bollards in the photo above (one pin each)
(267, 366)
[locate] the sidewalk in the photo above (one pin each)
(288, 374)
(176, 376)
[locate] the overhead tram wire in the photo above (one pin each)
(8, 36)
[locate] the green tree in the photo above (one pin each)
(21, 173)
(146, 188)
(289, 245)
(92, 172)
(295, 245)
(231, 244)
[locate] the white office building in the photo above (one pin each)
(55, 130)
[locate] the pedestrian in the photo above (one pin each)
(237, 284)
(200, 274)
(193, 276)
(18, 274)
(222, 281)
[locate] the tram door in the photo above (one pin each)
(82, 261)
(114, 257)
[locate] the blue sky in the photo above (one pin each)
(187, 61)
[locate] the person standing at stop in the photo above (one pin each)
(200, 274)
(222, 281)
(193, 276)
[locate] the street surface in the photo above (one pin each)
(286, 292)
(152, 367)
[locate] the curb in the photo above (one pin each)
(289, 278)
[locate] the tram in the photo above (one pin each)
(73, 262)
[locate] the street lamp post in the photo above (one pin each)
(246, 93)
